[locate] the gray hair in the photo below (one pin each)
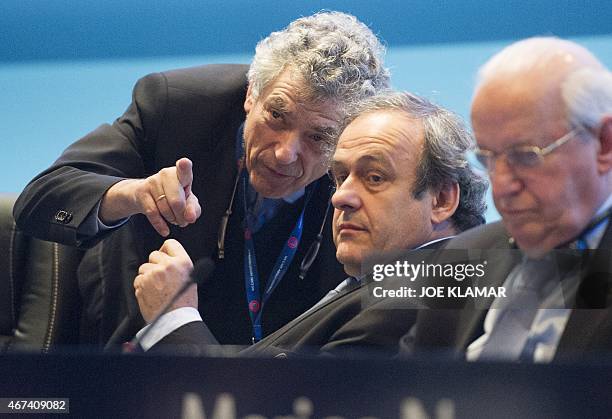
(587, 94)
(443, 162)
(586, 85)
(338, 57)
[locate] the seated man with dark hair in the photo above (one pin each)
(402, 182)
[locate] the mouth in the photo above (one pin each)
(350, 228)
(513, 212)
(283, 174)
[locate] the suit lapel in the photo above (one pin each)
(294, 325)
(501, 259)
(471, 320)
(345, 293)
(587, 328)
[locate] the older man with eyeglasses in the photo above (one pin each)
(542, 118)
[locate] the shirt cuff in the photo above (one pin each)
(101, 225)
(167, 324)
(92, 225)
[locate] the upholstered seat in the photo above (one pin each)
(39, 298)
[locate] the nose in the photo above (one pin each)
(288, 148)
(346, 197)
(503, 179)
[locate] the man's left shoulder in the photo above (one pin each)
(486, 236)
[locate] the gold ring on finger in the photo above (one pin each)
(159, 198)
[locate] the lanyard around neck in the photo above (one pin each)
(581, 242)
(255, 299)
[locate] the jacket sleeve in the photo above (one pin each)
(190, 339)
(375, 331)
(54, 205)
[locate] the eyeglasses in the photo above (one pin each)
(525, 156)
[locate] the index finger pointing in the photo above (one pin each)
(184, 172)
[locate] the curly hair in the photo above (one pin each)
(337, 56)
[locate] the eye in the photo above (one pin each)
(339, 179)
(317, 137)
(375, 179)
(523, 157)
(276, 114)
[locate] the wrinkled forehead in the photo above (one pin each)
(292, 96)
(304, 89)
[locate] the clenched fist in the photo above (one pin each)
(164, 197)
(159, 279)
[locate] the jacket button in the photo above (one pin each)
(63, 217)
(282, 355)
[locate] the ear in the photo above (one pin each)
(604, 156)
(445, 203)
(249, 101)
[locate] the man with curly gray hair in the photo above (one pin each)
(253, 150)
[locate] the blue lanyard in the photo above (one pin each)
(255, 300)
(581, 242)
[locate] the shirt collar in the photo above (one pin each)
(594, 236)
(433, 241)
(294, 196)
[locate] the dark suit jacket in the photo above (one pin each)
(589, 328)
(194, 113)
(349, 324)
